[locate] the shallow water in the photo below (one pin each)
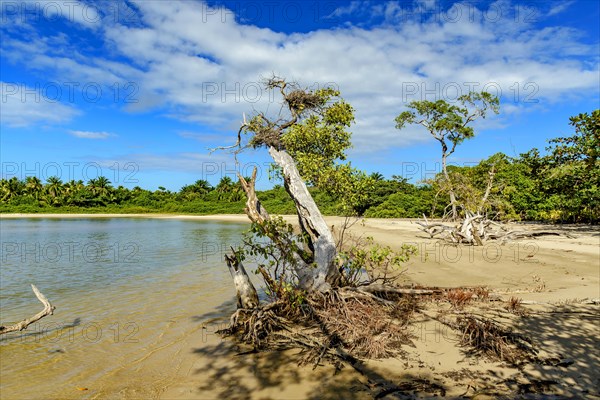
(131, 295)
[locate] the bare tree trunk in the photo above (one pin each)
(324, 273)
(488, 189)
(450, 186)
(258, 214)
(245, 291)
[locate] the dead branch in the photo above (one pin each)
(245, 291)
(238, 142)
(376, 288)
(488, 188)
(254, 209)
(476, 229)
(48, 310)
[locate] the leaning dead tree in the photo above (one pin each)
(307, 281)
(313, 261)
(20, 326)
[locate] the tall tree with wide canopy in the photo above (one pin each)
(449, 125)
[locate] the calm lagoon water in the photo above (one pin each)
(130, 294)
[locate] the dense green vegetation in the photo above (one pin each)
(560, 185)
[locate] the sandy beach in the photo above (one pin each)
(558, 279)
(553, 275)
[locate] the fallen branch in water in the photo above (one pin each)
(48, 310)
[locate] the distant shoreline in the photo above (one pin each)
(216, 217)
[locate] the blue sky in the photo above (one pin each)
(139, 90)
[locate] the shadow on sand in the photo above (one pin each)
(236, 371)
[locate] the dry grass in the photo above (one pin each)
(514, 306)
(485, 337)
(459, 298)
(365, 328)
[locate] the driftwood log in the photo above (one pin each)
(48, 310)
(476, 229)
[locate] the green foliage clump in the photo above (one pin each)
(370, 262)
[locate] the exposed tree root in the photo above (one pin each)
(476, 229)
(359, 324)
(484, 336)
(345, 326)
(348, 324)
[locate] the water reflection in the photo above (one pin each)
(126, 292)
(66, 256)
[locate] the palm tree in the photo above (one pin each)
(237, 194)
(377, 176)
(75, 193)
(223, 188)
(202, 186)
(72, 187)
(104, 186)
(100, 186)
(54, 186)
(10, 189)
(34, 187)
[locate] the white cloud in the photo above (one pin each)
(559, 8)
(91, 135)
(198, 64)
(352, 8)
(23, 106)
(184, 162)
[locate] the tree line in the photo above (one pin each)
(560, 184)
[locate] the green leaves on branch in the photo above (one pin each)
(449, 121)
(367, 261)
(571, 172)
(315, 134)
